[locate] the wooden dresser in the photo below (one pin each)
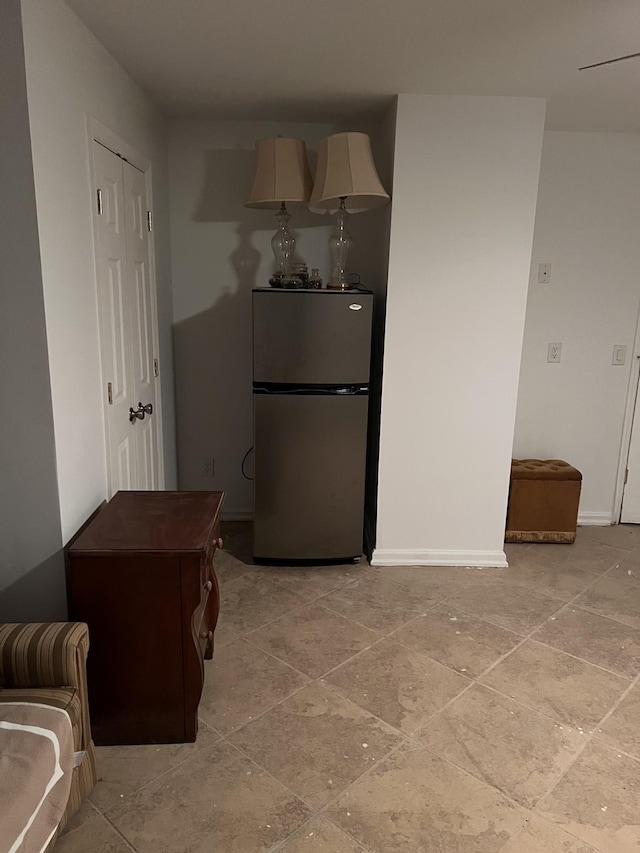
(141, 576)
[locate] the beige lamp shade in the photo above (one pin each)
(282, 173)
(346, 169)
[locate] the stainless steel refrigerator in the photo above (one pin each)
(311, 363)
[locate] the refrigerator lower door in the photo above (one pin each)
(309, 476)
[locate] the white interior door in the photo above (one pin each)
(631, 496)
(126, 304)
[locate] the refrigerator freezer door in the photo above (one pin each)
(309, 476)
(303, 337)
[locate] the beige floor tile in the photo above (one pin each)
(253, 600)
(515, 551)
(241, 682)
(124, 769)
(310, 582)
(619, 535)
(313, 639)
(457, 640)
(434, 582)
(316, 743)
(614, 598)
(229, 568)
(628, 569)
(593, 638)
(398, 685)
(584, 553)
(86, 811)
(571, 691)
(223, 636)
(621, 731)
(216, 801)
(415, 801)
(95, 835)
(538, 836)
(510, 606)
(516, 750)
(597, 800)
(321, 836)
(378, 603)
(564, 583)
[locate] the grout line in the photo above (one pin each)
(582, 660)
(246, 639)
(377, 630)
(226, 735)
(387, 755)
(242, 632)
(267, 772)
(118, 832)
(164, 773)
(588, 740)
(302, 829)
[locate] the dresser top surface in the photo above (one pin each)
(152, 521)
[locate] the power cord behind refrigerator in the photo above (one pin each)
(244, 459)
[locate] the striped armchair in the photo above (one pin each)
(46, 663)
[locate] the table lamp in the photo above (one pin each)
(346, 182)
(282, 178)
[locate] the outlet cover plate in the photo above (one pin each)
(554, 352)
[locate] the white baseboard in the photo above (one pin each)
(407, 557)
(594, 519)
(232, 514)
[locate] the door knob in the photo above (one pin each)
(136, 414)
(148, 408)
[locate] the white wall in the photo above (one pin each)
(31, 563)
(220, 251)
(70, 76)
(465, 186)
(588, 228)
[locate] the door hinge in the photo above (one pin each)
(155, 367)
(109, 393)
(626, 476)
(149, 221)
(99, 194)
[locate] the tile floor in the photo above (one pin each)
(352, 709)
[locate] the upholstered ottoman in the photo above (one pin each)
(543, 501)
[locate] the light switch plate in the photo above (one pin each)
(619, 354)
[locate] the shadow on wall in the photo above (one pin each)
(212, 349)
(227, 181)
(212, 352)
(38, 596)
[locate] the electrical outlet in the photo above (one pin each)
(208, 466)
(544, 273)
(554, 353)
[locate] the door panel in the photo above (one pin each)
(117, 366)
(123, 460)
(143, 388)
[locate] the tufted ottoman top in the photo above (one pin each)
(543, 469)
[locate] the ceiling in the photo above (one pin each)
(305, 60)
